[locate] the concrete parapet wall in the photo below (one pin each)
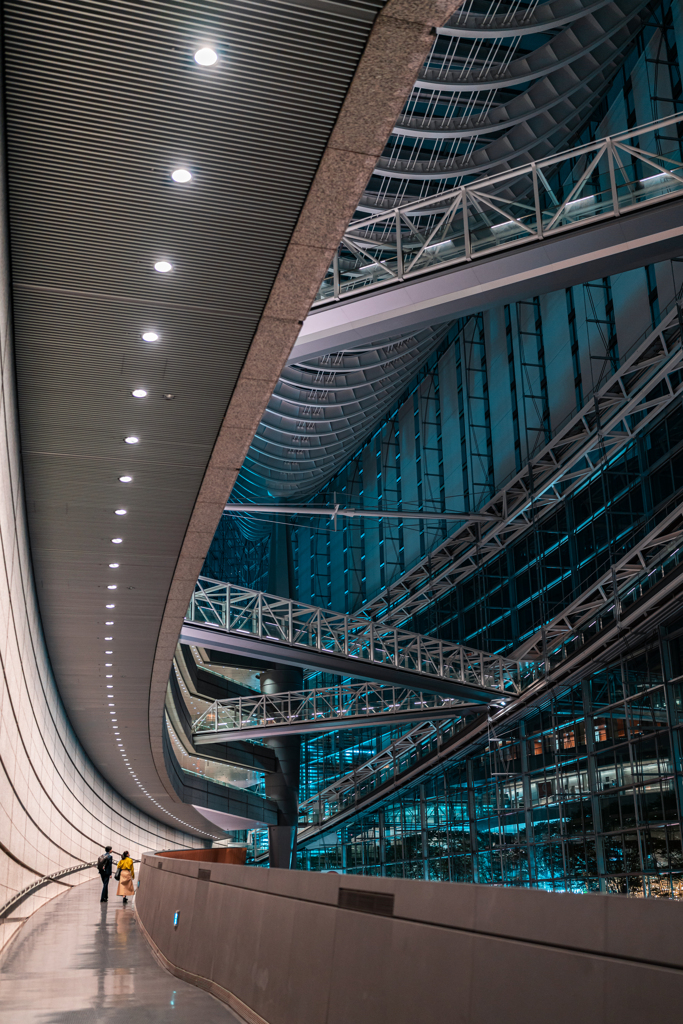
(290, 947)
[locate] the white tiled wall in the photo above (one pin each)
(56, 810)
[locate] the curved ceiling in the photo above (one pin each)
(503, 84)
(103, 102)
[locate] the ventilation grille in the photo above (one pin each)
(381, 903)
(204, 875)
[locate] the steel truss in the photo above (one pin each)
(394, 766)
(599, 180)
(646, 382)
(653, 556)
(243, 611)
(344, 706)
(385, 764)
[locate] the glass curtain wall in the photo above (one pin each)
(582, 795)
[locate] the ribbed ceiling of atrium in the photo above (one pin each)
(507, 82)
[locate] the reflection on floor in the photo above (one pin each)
(79, 961)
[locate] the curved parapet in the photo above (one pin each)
(283, 947)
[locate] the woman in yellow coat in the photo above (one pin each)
(126, 876)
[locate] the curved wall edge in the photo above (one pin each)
(56, 809)
(283, 947)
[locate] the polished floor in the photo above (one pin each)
(79, 961)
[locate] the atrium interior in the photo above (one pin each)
(342, 509)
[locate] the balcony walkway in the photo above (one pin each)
(79, 960)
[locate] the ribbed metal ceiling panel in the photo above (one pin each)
(103, 101)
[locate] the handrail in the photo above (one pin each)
(28, 890)
(601, 180)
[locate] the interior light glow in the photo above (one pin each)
(113, 565)
(110, 622)
(163, 266)
(109, 677)
(109, 638)
(111, 586)
(117, 540)
(108, 664)
(119, 512)
(181, 175)
(206, 56)
(150, 336)
(132, 440)
(111, 606)
(125, 479)
(139, 393)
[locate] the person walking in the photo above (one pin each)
(105, 868)
(125, 874)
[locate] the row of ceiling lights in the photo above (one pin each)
(206, 57)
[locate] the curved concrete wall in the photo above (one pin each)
(56, 810)
(287, 947)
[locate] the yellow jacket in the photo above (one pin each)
(127, 865)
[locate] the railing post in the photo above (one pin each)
(335, 274)
(466, 225)
(372, 640)
(319, 643)
(399, 246)
(441, 658)
(395, 648)
(346, 635)
(290, 624)
(259, 605)
(419, 653)
(227, 607)
(537, 201)
(613, 178)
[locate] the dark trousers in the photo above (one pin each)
(105, 887)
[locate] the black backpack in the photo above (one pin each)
(101, 862)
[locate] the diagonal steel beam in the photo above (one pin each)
(645, 384)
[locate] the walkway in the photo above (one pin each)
(76, 960)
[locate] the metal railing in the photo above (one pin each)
(346, 705)
(44, 880)
(243, 611)
(600, 180)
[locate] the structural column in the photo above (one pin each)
(282, 786)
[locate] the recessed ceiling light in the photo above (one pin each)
(150, 336)
(111, 606)
(108, 677)
(163, 267)
(112, 586)
(139, 393)
(107, 664)
(110, 686)
(125, 479)
(117, 540)
(206, 56)
(169, 397)
(120, 512)
(132, 440)
(108, 652)
(109, 638)
(181, 175)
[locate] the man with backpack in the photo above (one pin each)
(104, 866)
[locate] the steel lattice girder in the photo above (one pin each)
(609, 421)
(227, 617)
(345, 706)
(610, 589)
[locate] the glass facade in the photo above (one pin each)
(581, 795)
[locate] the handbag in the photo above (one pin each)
(117, 876)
